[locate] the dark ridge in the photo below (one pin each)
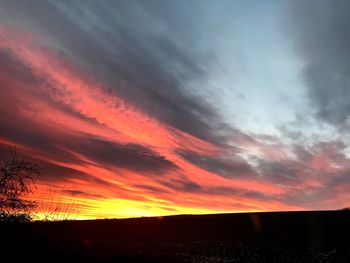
(317, 236)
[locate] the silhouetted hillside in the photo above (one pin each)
(246, 237)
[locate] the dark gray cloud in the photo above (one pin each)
(227, 167)
(151, 189)
(52, 173)
(82, 193)
(227, 191)
(130, 156)
(302, 154)
(342, 178)
(146, 52)
(283, 172)
(322, 34)
(182, 184)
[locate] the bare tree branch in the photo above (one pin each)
(16, 181)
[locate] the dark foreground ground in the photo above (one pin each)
(250, 237)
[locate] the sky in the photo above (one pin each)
(151, 108)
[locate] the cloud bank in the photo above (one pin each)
(103, 95)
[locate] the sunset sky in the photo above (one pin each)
(147, 108)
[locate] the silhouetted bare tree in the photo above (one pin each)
(16, 181)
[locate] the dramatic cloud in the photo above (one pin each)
(129, 156)
(322, 35)
(226, 167)
(148, 61)
(153, 108)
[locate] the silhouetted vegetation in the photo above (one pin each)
(16, 182)
(58, 205)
